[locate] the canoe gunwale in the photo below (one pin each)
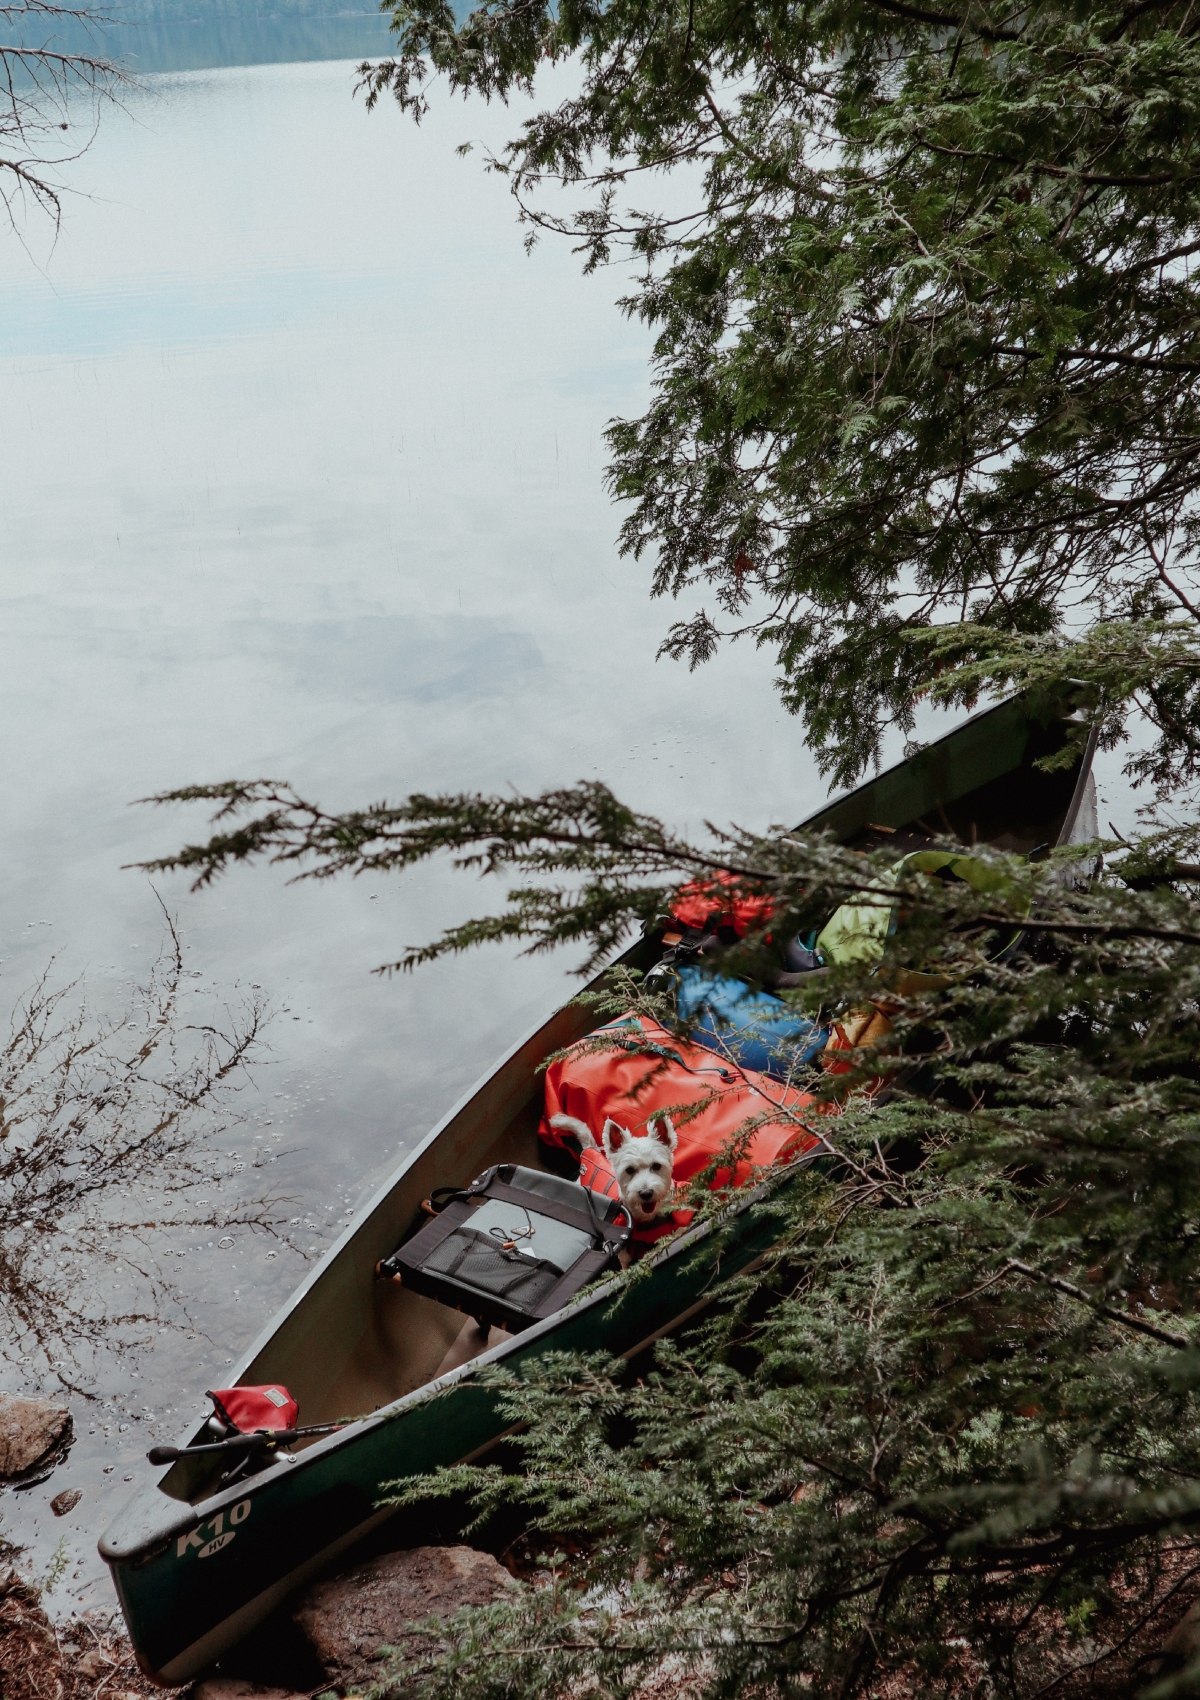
(137, 1542)
(181, 1513)
(1081, 787)
(355, 1428)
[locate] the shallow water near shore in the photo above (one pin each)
(303, 478)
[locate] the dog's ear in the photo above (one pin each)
(664, 1131)
(614, 1136)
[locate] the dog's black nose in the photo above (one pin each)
(647, 1200)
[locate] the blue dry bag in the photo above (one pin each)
(756, 1030)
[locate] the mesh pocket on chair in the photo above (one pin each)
(478, 1261)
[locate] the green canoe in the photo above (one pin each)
(197, 1566)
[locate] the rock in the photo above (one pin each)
(31, 1665)
(236, 1688)
(65, 1501)
(91, 1664)
(32, 1431)
(349, 1617)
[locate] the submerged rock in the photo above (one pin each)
(349, 1617)
(33, 1434)
(31, 1666)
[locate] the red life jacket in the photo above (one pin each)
(595, 1170)
(648, 1232)
(635, 1088)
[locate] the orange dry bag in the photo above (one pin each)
(649, 1072)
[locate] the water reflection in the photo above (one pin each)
(303, 478)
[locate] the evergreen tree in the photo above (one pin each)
(948, 1437)
(927, 336)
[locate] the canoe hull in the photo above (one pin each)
(223, 1566)
(196, 1567)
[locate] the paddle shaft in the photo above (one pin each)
(270, 1437)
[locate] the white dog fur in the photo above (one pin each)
(642, 1164)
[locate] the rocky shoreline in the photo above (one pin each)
(335, 1637)
(327, 1642)
(331, 1639)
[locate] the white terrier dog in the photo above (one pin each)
(642, 1165)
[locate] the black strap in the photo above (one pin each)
(589, 1266)
(533, 1201)
(430, 1236)
(640, 1048)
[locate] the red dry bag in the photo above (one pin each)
(248, 1409)
(707, 904)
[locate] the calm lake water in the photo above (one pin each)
(302, 470)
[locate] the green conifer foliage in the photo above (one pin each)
(927, 335)
(924, 416)
(948, 1436)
